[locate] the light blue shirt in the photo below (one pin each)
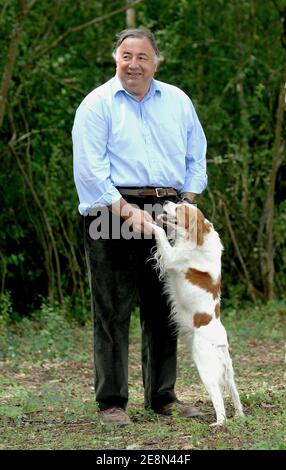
(119, 141)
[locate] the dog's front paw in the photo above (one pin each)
(158, 231)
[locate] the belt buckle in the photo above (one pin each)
(157, 192)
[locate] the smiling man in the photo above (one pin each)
(137, 143)
(136, 62)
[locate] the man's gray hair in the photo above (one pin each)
(139, 33)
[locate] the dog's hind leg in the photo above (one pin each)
(211, 371)
(213, 388)
(232, 387)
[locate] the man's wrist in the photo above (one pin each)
(120, 208)
(188, 196)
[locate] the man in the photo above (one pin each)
(136, 141)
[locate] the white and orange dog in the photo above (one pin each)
(191, 269)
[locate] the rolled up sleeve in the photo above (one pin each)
(90, 159)
(196, 168)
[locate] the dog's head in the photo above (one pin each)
(186, 221)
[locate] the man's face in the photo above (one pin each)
(136, 64)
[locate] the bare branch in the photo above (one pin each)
(63, 82)
(83, 26)
(43, 215)
(276, 6)
(4, 9)
(15, 141)
(238, 252)
(31, 3)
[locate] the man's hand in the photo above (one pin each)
(190, 196)
(139, 220)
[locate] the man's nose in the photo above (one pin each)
(134, 62)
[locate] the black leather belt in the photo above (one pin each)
(142, 192)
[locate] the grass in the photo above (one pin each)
(47, 399)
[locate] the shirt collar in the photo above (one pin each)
(117, 87)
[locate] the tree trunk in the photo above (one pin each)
(130, 16)
(11, 57)
(267, 252)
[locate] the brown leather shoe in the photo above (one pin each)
(115, 416)
(179, 409)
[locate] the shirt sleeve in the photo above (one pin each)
(196, 171)
(91, 162)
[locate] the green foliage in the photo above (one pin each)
(50, 333)
(5, 311)
(226, 55)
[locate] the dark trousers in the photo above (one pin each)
(118, 271)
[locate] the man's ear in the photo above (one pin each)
(114, 56)
(160, 60)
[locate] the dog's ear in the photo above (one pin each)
(187, 218)
(182, 216)
(194, 222)
(203, 227)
